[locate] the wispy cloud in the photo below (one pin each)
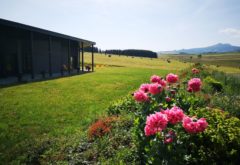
(231, 31)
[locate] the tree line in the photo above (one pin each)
(127, 52)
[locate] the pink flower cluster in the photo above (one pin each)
(159, 80)
(144, 88)
(158, 121)
(155, 79)
(140, 96)
(174, 115)
(157, 86)
(155, 123)
(192, 125)
(172, 78)
(194, 85)
(195, 71)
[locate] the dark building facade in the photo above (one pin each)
(27, 51)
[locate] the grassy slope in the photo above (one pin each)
(55, 110)
(228, 62)
(136, 62)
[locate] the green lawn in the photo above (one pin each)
(47, 116)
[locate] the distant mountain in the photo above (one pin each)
(218, 48)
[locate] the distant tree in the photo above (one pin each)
(191, 57)
(133, 52)
(199, 56)
(89, 49)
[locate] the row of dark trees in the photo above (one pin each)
(133, 52)
(127, 52)
(89, 49)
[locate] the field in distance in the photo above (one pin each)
(227, 62)
(134, 62)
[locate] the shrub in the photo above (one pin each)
(231, 82)
(101, 127)
(165, 136)
(229, 103)
(124, 105)
(214, 84)
(116, 147)
(220, 143)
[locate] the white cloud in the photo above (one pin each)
(231, 31)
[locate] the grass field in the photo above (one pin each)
(227, 62)
(44, 117)
(136, 62)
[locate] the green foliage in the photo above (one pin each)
(228, 99)
(117, 147)
(215, 85)
(229, 103)
(188, 101)
(231, 82)
(124, 105)
(220, 143)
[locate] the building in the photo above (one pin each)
(28, 52)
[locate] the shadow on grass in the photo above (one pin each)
(40, 79)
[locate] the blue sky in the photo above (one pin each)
(141, 24)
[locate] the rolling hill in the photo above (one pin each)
(218, 48)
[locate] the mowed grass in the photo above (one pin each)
(44, 117)
(226, 62)
(135, 62)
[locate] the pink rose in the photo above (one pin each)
(174, 115)
(192, 125)
(144, 88)
(140, 96)
(163, 82)
(155, 88)
(202, 124)
(172, 78)
(155, 123)
(194, 85)
(155, 79)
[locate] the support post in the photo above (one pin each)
(82, 57)
(92, 58)
(69, 49)
(32, 54)
(78, 60)
(50, 55)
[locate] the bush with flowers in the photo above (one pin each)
(170, 120)
(168, 129)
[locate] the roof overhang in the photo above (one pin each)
(47, 32)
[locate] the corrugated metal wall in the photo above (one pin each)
(15, 43)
